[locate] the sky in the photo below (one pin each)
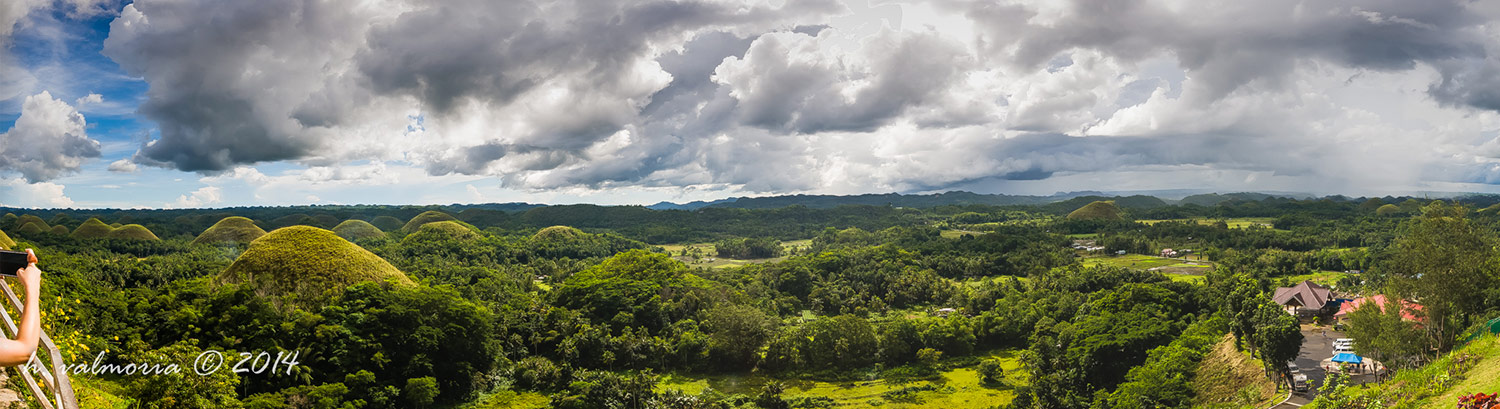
(202, 103)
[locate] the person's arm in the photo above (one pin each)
(17, 351)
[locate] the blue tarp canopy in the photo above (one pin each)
(1347, 358)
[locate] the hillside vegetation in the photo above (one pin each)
(951, 306)
(5, 241)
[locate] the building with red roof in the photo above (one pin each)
(1408, 312)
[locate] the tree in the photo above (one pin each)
(183, 389)
(1278, 336)
(1380, 332)
(770, 397)
(736, 334)
(1444, 261)
(421, 392)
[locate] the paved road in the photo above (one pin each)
(1315, 348)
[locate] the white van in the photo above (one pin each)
(1343, 345)
(1299, 383)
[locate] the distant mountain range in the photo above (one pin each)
(1123, 199)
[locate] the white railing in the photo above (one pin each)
(54, 377)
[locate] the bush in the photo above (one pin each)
(990, 370)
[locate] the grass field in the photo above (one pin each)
(1321, 277)
(510, 400)
(953, 234)
(1176, 269)
(1234, 223)
(958, 388)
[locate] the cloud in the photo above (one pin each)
(91, 98)
(20, 193)
(199, 198)
(814, 96)
(123, 166)
(47, 140)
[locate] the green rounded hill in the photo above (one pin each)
(353, 229)
(303, 264)
(1388, 210)
(483, 217)
(5, 241)
(32, 228)
(387, 223)
(1099, 210)
(92, 229)
(133, 232)
(233, 229)
(60, 230)
(558, 233)
(290, 220)
(25, 219)
(424, 218)
(442, 230)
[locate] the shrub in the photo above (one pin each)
(990, 370)
(1479, 400)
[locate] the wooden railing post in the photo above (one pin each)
(54, 376)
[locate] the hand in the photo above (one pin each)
(31, 276)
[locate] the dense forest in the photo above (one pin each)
(588, 306)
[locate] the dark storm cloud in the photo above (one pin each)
(1228, 44)
(779, 91)
(247, 82)
(496, 50)
(219, 73)
(599, 94)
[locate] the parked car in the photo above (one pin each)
(1292, 368)
(1299, 382)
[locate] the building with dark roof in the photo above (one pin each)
(1305, 297)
